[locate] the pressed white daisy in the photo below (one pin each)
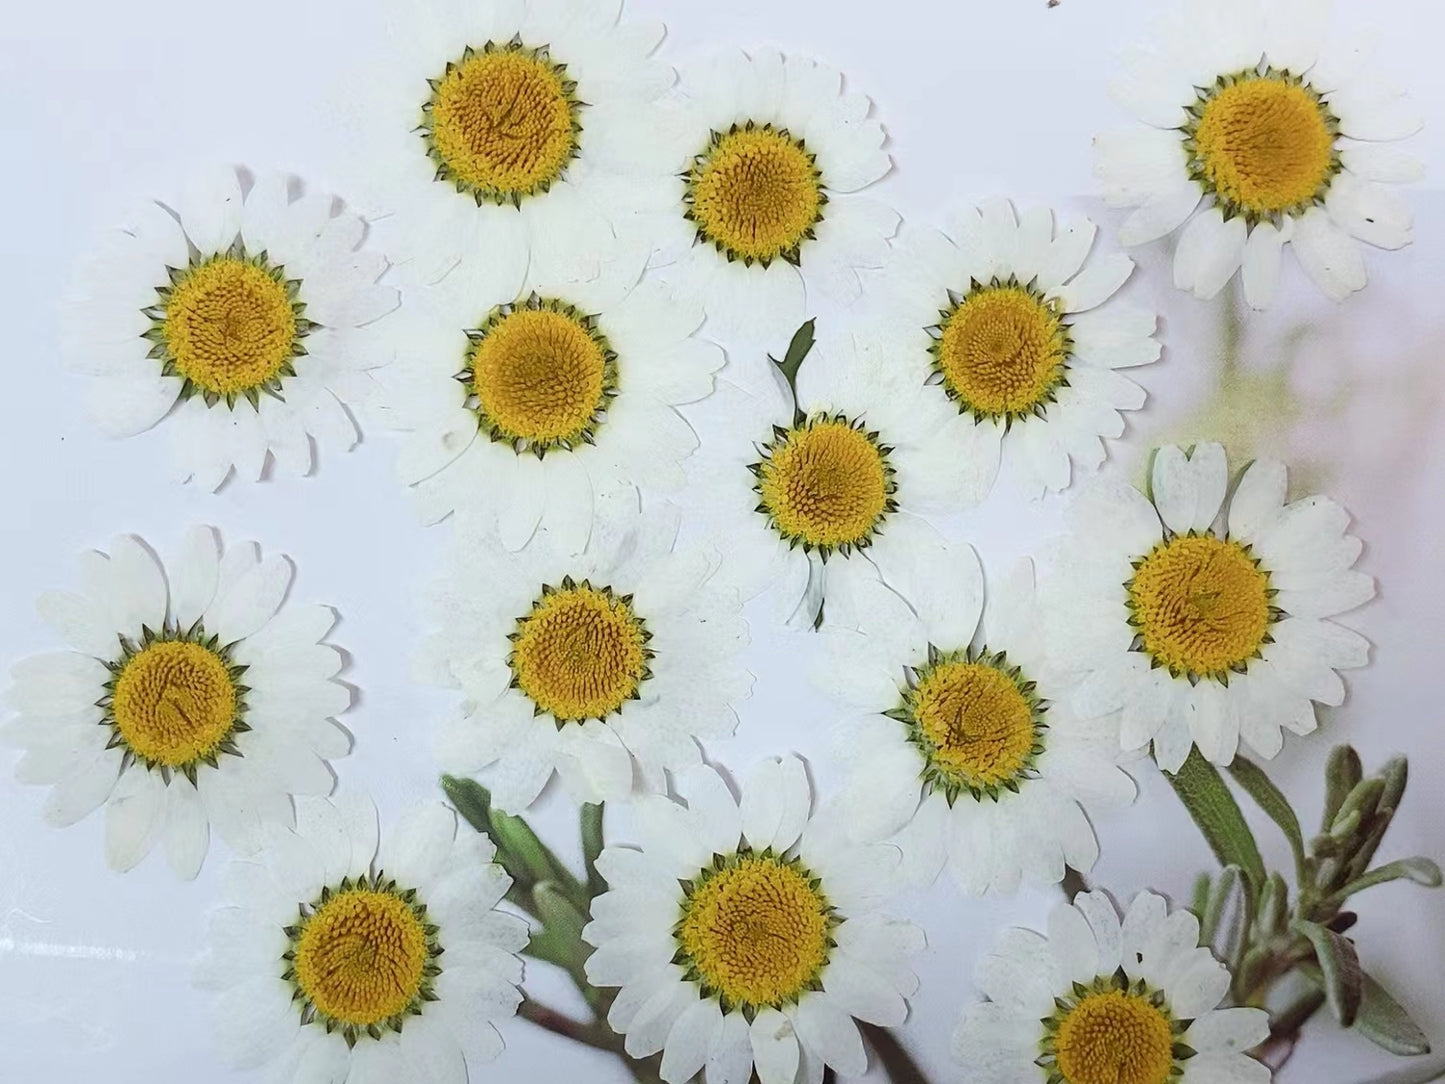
(524, 409)
(1009, 318)
(817, 498)
(189, 700)
(338, 960)
(241, 316)
(584, 663)
(745, 934)
(1202, 627)
(772, 154)
(514, 133)
(1260, 136)
(1097, 1001)
(964, 748)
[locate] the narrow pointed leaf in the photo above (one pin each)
(592, 844)
(1339, 968)
(1342, 773)
(1270, 799)
(1420, 870)
(1204, 793)
(798, 349)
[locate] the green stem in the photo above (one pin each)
(897, 1062)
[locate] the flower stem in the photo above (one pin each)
(590, 1034)
(897, 1062)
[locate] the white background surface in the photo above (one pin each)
(106, 104)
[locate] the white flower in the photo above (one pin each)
(243, 317)
(1097, 1001)
(745, 934)
(186, 701)
(1272, 136)
(818, 499)
(583, 663)
(771, 154)
(508, 134)
(1206, 628)
(1008, 317)
(525, 410)
(340, 962)
(968, 752)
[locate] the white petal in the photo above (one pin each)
(775, 1047)
(1189, 492)
(1329, 256)
(1210, 252)
(831, 1034)
(251, 601)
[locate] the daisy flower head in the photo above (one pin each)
(1008, 316)
(515, 134)
(523, 408)
(341, 958)
(771, 157)
(189, 699)
(241, 316)
(1203, 620)
(591, 664)
(1260, 133)
(962, 747)
(744, 934)
(1100, 1001)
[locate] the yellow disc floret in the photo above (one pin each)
(825, 484)
(541, 374)
(361, 958)
(502, 123)
(755, 194)
(976, 721)
(755, 932)
(174, 703)
(229, 327)
(1002, 351)
(581, 653)
(1114, 1037)
(1200, 605)
(1263, 144)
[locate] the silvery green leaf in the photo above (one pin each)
(1339, 968)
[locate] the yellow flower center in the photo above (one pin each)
(581, 653)
(1264, 144)
(826, 484)
(1002, 352)
(976, 722)
(1113, 1037)
(174, 703)
(755, 932)
(361, 957)
(229, 326)
(755, 194)
(502, 123)
(541, 374)
(1200, 605)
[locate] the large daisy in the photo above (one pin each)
(1009, 318)
(1259, 136)
(964, 748)
(585, 663)
(771, 155)
(1097, 1001)
(1203, 621)
(815, 497)
(745, 934)
(188, 700)
(525, 408)
(242, 315)
(338, 960)
(514, 133)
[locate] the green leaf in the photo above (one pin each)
(1385, 1023)
(1420, 870)
(1417, 1074)
(1204, 793)
(1339, 968)
(559, 939)
(525, 857)
(592, 844)
(1214, 910)
(1199, 898)
(1270, 799)
(798, 349)
(1342, 773)
(471, 800)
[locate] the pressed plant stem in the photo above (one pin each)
(897, 1062)
(544, 1016)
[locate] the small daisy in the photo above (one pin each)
(968, 750)
(744, 935)
(1008, 317)
(242, 316)
(509, 134)
(584, 663)
(526, 408)
(820, 497)
(771, 156)
(1097, 1001)
(1271, 137)
(339, 962)
(1202, 627)
(186, 701)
